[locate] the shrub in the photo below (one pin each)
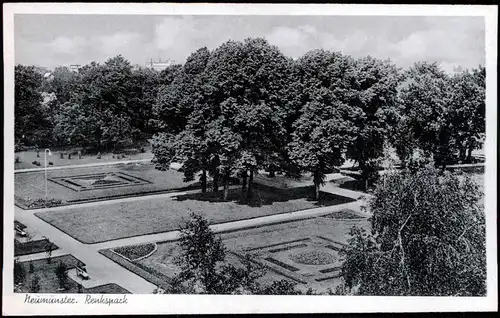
(38, 164)
(35, 284)
(51, 163)
(17, 160)
(69, 156)
(61, 155)
(35, 162)
(19, 272)
(62, 277)
(41, 203)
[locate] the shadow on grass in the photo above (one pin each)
(265, 195)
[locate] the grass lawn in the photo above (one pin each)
(27, 157)
(31, 185)
(120, 220)
(32, 247)
(48, 279)
(161, 263)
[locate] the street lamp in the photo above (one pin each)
(46, 191)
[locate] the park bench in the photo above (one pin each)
(82, 272)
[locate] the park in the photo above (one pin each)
(242, 171)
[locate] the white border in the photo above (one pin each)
(194, 304)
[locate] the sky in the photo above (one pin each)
(55, 40)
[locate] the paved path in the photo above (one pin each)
(82, 166)
(103, 270)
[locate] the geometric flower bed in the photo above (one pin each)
(98, 181)
(308, 260)
(87, 184)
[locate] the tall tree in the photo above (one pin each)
(97, 113)
(467, 107)
(31, 123)
(425, 105)
(144, 85)
(372, 96)
(321, 133)
(428, 238)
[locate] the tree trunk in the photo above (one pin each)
(462, 153)
(204, 181)
(469, 150)
(317, 184)
(244, 178)
(226, 185)
(316, 191)
(250, 186)
(215, 182)
(272, 173)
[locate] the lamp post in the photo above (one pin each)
(46, 191)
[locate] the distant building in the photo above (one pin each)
(159, 65)
(74, 67)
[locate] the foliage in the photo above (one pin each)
(31, 121)
(19, 272)
(202, 263)
(372, 96)
(321, 132)
(428, 238)
(61, 275)
(35, 284)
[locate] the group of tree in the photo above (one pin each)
(244, 106)
(102, 106)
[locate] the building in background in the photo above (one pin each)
(159, 65)
(74, 67)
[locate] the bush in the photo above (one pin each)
(17, 160)
(51, 163)
(35, 162)
(40, 203)
(38, 164)
(19, 272)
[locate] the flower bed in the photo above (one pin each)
(136, 252)
(313, 257)
(32, 247)
(344, 214)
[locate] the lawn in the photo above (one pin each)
(31, 185)
(161, 263)
(49, 282)
(114, 221)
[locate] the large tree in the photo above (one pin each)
(97, 114)
(31, 121)
(426, 112)
(467, 106)
(428, 238)
(372, 95)
(321, 132)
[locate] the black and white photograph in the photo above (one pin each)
(171, 151)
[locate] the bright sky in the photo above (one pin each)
(52, 40)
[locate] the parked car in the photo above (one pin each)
(82, 272)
